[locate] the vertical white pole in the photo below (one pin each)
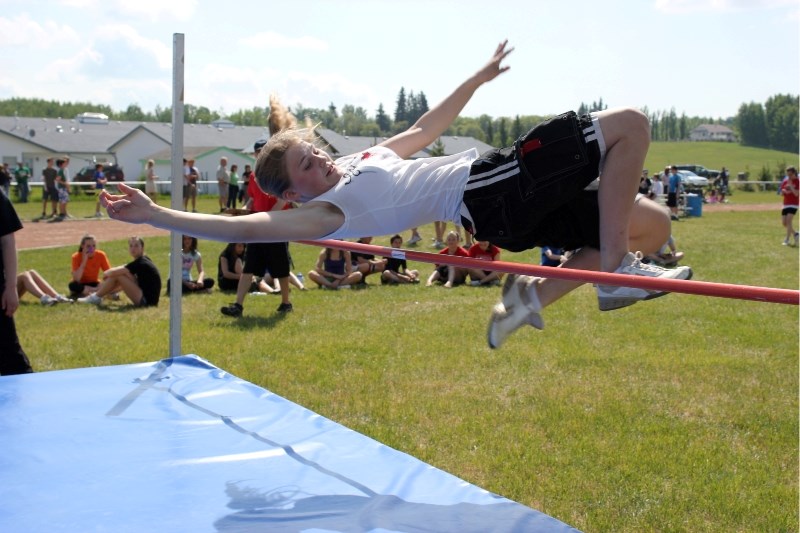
(176, 285)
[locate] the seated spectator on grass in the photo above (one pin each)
(667, 255)
(229, 266)
(366, 263)
(87, 263)
(139, 279)
(485, 251)
(190, 256)
(553, 257)
(32, 282)
(450, 275)
(396, 270)
(334, 270)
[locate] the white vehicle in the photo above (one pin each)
(691, 180)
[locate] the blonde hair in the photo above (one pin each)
(271, 173)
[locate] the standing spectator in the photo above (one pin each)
(233, 187)
(396, 270)
(334, 270)
(486, 251)
(223, 180)
(62, 184)
(230, 265)
(150, 178)
(87, 263)
(22, 174)
(246, 175)
(49, 192)
(190, 176)
(191, 256)
(454, 275)
(5, 180)
(657, 190)
(260, 257)
(100, 181)
(789, 190)
(552, 256)
(673, 191)
(645, 184)
(139, 279)
(415, 237)
(722, 179)
(13, 359)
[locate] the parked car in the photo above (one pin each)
(112, 171)
(700, 170)
(692, 181)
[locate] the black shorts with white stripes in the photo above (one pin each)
(532, 194)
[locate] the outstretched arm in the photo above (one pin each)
(313, 220)
(433, 123)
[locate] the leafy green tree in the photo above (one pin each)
(781, 116)
(437, 149)
(502, 133)
(752, 125)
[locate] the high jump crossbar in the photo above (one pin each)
(703, 288)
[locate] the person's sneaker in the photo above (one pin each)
(232, 310)
(437, 244)
(519, 306)
(610, 297)
(60, 298)
(785, 241)
(91, 299)
(796, 238)
(47, 300)
(285, 308)
(414, 240)
(345, 286)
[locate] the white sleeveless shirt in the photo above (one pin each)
(382, 194)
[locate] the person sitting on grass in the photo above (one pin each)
(191, 256)
(139, 279)
(447, 274)
(538, 192)
(488, 252)
(396, 270)
(366, 263)
(87, 263)
(33, 282)
(334, 270)
(229, 266)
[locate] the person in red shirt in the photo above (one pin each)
(488, 252)
(789, 190)
(453, 275)
(262, 256)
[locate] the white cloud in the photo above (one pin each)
(156, 10)
(691, 6)
(269, 40)
(157, 49)
(26, 32)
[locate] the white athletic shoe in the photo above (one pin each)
(91, 299)
(413, 240)
(63, 299)
(48, 300)
(610, 297)
(519, 306)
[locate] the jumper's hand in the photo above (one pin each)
(131, 206)
(493, 68)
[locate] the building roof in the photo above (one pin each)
(341, 145)
(71, 136)
(713, 128)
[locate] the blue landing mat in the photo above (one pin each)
(181, 445)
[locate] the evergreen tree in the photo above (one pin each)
(437, 148)
(383, 121)
(401, 109)
(516, 128)
(502, 133)
(781, 116)
(752, 125)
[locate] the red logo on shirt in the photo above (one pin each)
(365, 155)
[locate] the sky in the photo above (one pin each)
(701, 57)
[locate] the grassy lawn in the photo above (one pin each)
(679, 414)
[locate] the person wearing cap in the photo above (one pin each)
(260, 257)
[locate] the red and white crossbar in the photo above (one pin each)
(704, 288)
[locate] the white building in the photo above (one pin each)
(712, 132)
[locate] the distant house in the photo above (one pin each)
(341, 145)
(712, 132)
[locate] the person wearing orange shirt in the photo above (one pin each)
(87, 263)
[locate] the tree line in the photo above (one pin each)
(771, 125)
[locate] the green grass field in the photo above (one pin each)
(679, 414)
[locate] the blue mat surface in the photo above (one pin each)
(181, 445)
